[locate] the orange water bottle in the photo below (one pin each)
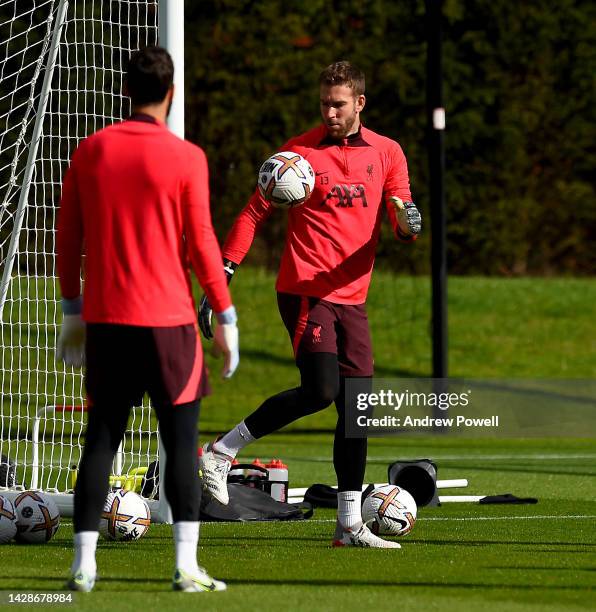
(256, 478)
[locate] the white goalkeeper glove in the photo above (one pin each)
(226, 341)
(70, 347)
(205, 311)
(409, 221)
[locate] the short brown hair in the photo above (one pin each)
(149, 75)
(343, 73)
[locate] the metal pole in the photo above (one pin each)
(171, 37)
(436, 157)
(35, 139)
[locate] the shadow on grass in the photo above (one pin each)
(380, 370)
(224, 541)
(348, 583)
(532, 544)
(421, 583)
(558, 568)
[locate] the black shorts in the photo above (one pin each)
(318, 326)
(124, 362)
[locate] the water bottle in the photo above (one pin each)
(236, 474)
(278, 479)
(256, 478)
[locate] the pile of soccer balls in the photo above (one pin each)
(32, 518)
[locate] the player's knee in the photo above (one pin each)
(321, 395)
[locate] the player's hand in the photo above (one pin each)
(205, 314)
(71, 341)
(226, 342)
(409, 220)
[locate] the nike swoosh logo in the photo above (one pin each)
(319, 173)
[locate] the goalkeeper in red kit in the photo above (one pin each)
(136, 201)
(322, 285)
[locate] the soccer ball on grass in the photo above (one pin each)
(125, 516)
(8, 520)
(389, 510)
(286, 180)
(38, 517)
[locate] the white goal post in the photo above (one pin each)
(61, 71)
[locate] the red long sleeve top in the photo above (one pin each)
(331, 239)
(135, 201)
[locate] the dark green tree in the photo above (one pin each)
(519, 95)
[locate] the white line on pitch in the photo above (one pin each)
(464, 457)
(485, 518)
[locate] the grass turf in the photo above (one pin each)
(498, 328)
(458, 557)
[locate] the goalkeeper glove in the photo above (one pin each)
(70, 347)
(409, 221)
(205, 312)
(226, 340)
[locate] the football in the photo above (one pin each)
(389, 510)
(38, 517)
(125, 516)
(286, 180)
(8, 520)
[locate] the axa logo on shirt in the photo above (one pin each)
(346, 196)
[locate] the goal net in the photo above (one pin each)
(61, 70)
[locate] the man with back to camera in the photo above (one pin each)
(322, 285)
(136, 198)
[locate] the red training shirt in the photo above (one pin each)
(136, 200)
(331, 239)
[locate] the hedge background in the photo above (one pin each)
(519, 91)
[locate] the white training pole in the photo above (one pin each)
(36, 137)
(441, 484)
(460, 498)
(171, 37)
(452, 484)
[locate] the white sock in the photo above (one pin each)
(85, 543)
(348, 508)
(234, 441)
(186, 540)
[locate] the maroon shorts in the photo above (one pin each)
(318, 326)
(124, 362)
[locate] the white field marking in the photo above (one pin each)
(437, 457)
(486, 518)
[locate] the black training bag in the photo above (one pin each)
(250, 504)
(7, 472)
(321, 496)
(247, 503)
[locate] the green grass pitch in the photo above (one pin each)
(458, 557)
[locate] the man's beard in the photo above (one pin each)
(346, 129)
